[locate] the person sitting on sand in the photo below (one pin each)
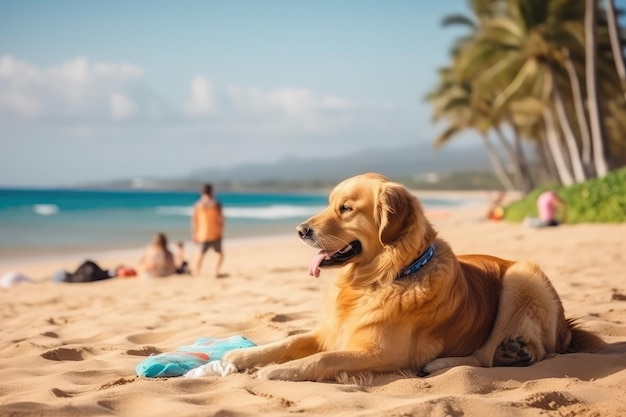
(157, 260)
(495, 213)
(89, 271)
(182, 265)
(548, 206)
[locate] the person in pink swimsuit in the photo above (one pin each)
(548, 204)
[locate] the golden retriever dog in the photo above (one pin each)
(403, 300)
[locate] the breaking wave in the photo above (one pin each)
(272, 212)
(45, 209)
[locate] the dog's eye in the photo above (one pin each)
(345, 208)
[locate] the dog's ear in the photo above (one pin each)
(396, 211)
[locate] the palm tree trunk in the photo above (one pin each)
(546, 161)
(497, 164)
(555, 148)
(568, 133)
(597, 135)
(516, 155)
(616, 43)
(579, 108)
(513, 157)
(527, 180)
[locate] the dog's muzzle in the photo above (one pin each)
(304, 231)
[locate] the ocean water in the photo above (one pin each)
(48, 221)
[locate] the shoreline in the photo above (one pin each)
(23, 260)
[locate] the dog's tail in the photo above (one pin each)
(583, 340)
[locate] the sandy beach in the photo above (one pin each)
(71, 349)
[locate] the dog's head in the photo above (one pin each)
(371, 223)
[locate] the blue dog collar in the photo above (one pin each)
(419, 262)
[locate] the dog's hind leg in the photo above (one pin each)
(530, 316)
(526, 325)
(513, 352)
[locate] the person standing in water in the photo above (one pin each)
(207, 228)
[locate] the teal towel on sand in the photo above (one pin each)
(186, 358)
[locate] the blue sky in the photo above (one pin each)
(100, 90)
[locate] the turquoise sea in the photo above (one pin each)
(48, 221)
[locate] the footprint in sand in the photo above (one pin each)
(59, 393)
(277, 318)
(295, 332)
(144, 351)
(63, 354)
(281, 401)
(281, 318)
(259, 318)
(550, 400)
(58, 320)
(117, 382)
(148, 338)
(616, 296)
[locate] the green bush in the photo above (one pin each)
(595, 201)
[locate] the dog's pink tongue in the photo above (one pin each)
(314, 267)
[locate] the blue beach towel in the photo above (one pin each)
(186, 358)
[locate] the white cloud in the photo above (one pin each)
(11, 68)
(20, 103)
(293, 101)
(117, 70)
(76, 71)
(246, 100)
(80, 92)
(334, 102)
(122, 107)
(202, 101)
(73, 91)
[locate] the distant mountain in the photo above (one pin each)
(405, 162)
(418, 165)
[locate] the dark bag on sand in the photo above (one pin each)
(88, 271)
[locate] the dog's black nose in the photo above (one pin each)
(304, 231)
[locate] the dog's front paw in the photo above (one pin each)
(280, 372)
(433, 366)
(243, 359)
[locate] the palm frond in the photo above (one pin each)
(457, 104)
(458, 20)
(529, 106)
(447, 135)
(509, 26)
(528, 70)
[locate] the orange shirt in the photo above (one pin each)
(209, 221)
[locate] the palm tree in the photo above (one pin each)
(579, 107)
(483, 11)
(555, 147)
(520, 69)
(568, 132)
(615, 128)
(517, 53)
(593, 103)
(452, 101)
(616, 43)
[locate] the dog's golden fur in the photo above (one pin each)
(467, 310)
